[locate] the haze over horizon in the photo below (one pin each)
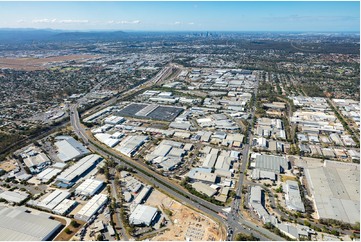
(183, 16)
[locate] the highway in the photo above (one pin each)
(234, 221)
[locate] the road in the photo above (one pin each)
(236, 205)
(123, 234)
(234, 221)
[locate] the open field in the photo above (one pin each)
(32, 64)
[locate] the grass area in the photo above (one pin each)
(288, 178)
(69, 231)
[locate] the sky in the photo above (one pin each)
(183, 16)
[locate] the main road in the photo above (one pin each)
(236, 222)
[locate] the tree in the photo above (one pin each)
(100, 237)
(68, 231)
(245, 237)
(75, 224)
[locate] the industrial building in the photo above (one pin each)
(113, 120)
(18, 225)
(256, 202)
(70, 175)
(65, 207)
(107, 139)
(102, 112)
(89, 187)
(14, 196)
(69, 148)
(91, 207)
(132, 184)
(293, 196)
(53, 199)
(203, 175)
(131, 144)
(37, 162)
(144, 193)
(204, 188)
(276, 164)
(47, 174)
(143, 215)
(167, 155)
(258, 174)
(335, 188)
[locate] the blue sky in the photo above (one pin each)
(183, 16)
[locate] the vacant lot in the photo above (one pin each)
(185, 222)
(31, 64)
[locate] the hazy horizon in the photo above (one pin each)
(287, 16)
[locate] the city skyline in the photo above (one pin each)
(183, 16)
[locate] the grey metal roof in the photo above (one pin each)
(17, 225)
(271, 163)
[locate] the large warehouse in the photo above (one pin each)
(143, 215)
(70, 175)
(91, 207)
(53, 199)
(335, 188)
(18, 225)
(276, 164)
(69, 148)
(131, 144)
(89, 187)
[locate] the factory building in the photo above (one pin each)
(131, 144)
(65, 207)
(91, 207)
(293, 196)
(70, 175)
(143, 195)
(276, 164)
(53, 199)
(18, 225)
(47, 174)
(143, 215)
(89, 187)
(113, 120)
(256, 202)
(37, 162)
(14, 196)
(69, 148)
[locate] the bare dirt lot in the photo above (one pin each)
(185, 222)
(31, 64)
(8, 165)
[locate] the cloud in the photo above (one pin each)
(124, 22)
(191, 23)
(71, 21)
(44, 20)
(177, 23)
(63, 21)
(21, 21)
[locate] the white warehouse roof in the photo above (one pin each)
(79, 168)
(17, 225)
(53, 199)
(91, 207)
(12, 196)
(69, 148)
(47, 174)
(89, 187)
(143, 214)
